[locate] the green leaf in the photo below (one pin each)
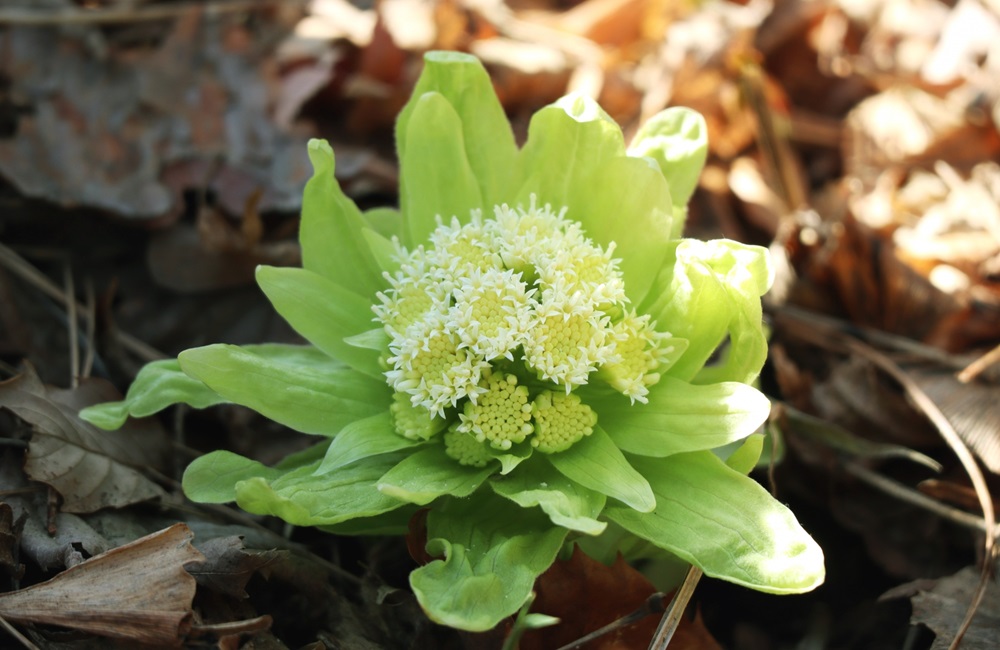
(158, 385)
(677, 139)
(395, 522)
(748, 275)
(725, 524)
(428, 474)
(363, 438)
(745, 457)
(331, 232)
(298, 386)
(323, 312)
(436, 180)
(374, 339)
(575, 158)
(511, 458)
(596, 463)
(488, 140)
(681, 417)
(708, 291)
(493, 551)
(212, 478)
(567, 503)
(303, 498)
(383, 250)
(384, 221)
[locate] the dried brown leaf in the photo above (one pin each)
(228, 566)
(72, 537)
(100, 122)
(9, 535)
(586, 595)
(90, 468)
(138, 592)
(186, 261)
(970, 407)
(942, 608)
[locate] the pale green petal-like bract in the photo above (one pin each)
(331, 232)
(323, 312)
(682, 417)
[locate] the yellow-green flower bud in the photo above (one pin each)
(560, 420)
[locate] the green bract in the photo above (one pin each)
(522, 347)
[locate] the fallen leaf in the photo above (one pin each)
(90, 468)
(9, 535)
(942, 608)
(138, 592)
(585, 595)
(228, 566)
(102, 121)
(970, 407)
(181, 259)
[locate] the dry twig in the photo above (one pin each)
(834, 337)
(672, 617)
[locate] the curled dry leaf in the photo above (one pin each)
(90, 468)
(73, 536)
(228, 566)
(138, 592)
(942, 607)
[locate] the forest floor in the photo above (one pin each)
(153, 154)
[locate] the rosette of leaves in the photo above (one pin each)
(523, 348)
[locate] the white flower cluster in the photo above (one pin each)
(490, 314)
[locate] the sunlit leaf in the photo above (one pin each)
(331, 231)
(724, 523)
(681, 417)
(575, 158)
(298, 386)
(323, 312)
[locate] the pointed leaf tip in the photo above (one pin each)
(320, 154)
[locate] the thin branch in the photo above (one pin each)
(672, 617)
(977, 367)
(90, 327)
(17, 635)
(71, 313)
(944, 427)
(20, 267)
(652, 605)
(908, 494)
(886, 339)
(826, 335)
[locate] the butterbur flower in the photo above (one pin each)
(523, 348)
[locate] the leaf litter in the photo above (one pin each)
(858, 140)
